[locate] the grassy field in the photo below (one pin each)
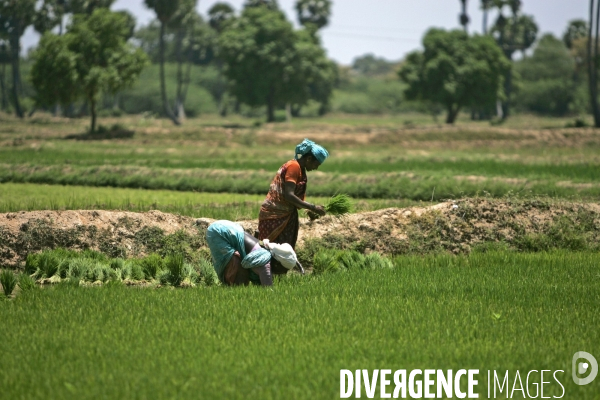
(491, 311)
(231, 206)
(386, 157)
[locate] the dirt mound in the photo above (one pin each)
(455, 226)
(116, 233)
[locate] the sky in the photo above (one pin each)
(386, 28)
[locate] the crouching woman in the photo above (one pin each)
(239, 258)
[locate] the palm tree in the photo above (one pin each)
(314, 12)
(592, 52)
(165, 11)
(464, 18)
(486, 5)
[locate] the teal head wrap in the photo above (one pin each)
(308, 146)
(256, 258)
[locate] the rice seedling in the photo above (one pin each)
(117, 263)
(327, 261)
(47, 264)
(339, 205)
(351, 259)
(376, 261)
(31, 263)
(163, 276)
(175, 265)
(151, 265)
(191, 276)
(132, 270)
(208, 276)
(79, 267)
(98, 272)
(26, 282)
(8, 281)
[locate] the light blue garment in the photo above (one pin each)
(256, 258)
(224, 238)
(308, 146)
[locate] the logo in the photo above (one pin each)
(582, 367)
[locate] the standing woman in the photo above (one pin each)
(278, 217)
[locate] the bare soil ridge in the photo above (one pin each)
(453, 226)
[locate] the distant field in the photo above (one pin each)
(29, 197)
(383, 157)
(491, 311)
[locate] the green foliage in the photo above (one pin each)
(370, 95)
(427, 310)
(293, 67)
(329, 260)
(219, 15)
(576, 30)
(208, 274)
(93, 57)
(8, 280)
(370, 65)
(152, 265)
(26, 282)
(165, 9)
(48, 265)
(313, 13)
(175, 264)
(547, 84)
(455, 70)
(203, 92)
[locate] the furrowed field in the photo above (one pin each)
(507, 279)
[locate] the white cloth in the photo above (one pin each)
(282, 253)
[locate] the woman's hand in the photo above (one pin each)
(319, 210)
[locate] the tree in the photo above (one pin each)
(455, 70)
(166, 11)
(54, 72)
(370, 65)
(464, 17)
(4, 60)
(219, 15)
(270, 4)
(91, 58)
(486, 5)
(547, 85)
(577, 29)
(592, 58)
(514, 33)
(268, 63)
(52, 12)
(15, 17)
(184, 24)
(313, 14)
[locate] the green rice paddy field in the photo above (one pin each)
(492, 310)
(487, 311)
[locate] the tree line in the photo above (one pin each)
(263, 61)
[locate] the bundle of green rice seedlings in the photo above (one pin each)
(208, 276)
(175, 265)
(8, 281)
(340, 204)
(351, 259)
(79, 267)
(377, 261)
(326, 261)
(26, 282)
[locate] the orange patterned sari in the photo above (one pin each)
(278, 219)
